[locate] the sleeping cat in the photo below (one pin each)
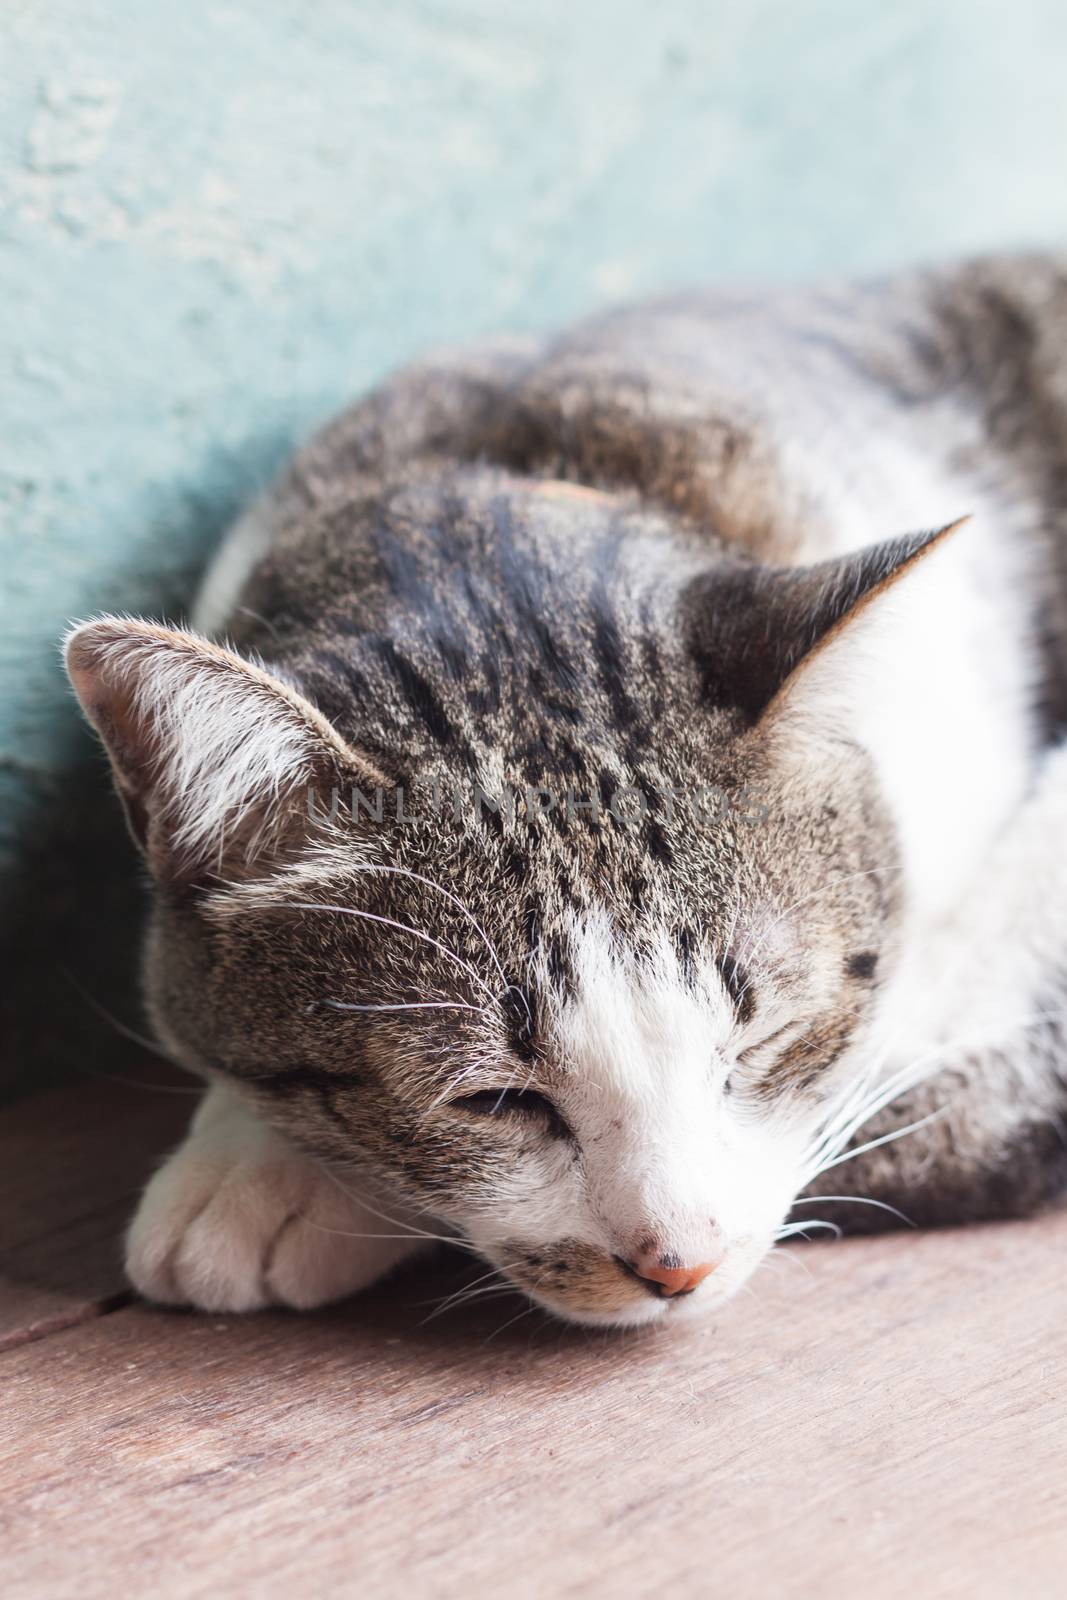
(443, 912)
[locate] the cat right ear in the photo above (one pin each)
(780, 643)
(213, 756)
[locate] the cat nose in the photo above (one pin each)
(666, 1276)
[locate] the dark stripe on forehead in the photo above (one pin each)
(558, 666)
(419, 694)
(609, 652)
(685, 944)
(453, 656)
(659, 846)
(609, 647)
(738, 987)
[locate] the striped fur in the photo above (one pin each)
(779, 867)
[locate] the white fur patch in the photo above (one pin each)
(665, 1156)
(935, 679)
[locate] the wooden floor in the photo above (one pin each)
(874, 1419)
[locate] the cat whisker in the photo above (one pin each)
(348, 1233)
(791, 1229)
(887, 1138)
(854, 1200)
(401, 927)
(461, 1296)
(850, 1101)
(855, 1111)
(407, 1005)
(411, 1232)
(513, 988)
(527, 1312)
(431, 883)
(492, 1291)
(869, 1096)
(780, 1253)
(470, 1292)
(492, 1271)
(136, 1083)
(144, 1040)
(453, 1084)
(768, 1264)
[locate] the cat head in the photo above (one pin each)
(604, 1036)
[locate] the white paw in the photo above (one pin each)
(237, 1219)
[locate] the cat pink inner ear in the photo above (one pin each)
(212, 755)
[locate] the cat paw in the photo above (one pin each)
(238, 1219)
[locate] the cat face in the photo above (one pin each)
(602, 1051)
(615, 1107)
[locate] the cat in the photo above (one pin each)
(441, 911)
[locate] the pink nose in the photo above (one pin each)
(666, 1276)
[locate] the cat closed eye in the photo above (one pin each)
(526, 1103)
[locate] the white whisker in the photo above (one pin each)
(452, 1085)
(472, 1291)
(855, 1110)
(402, 927)
(887, 1138)
(430, 883)
(408, 1005)
(791, 1229)
(530, 1309)
(780, 1253)
(855, 1200)
(411, 1232)
(348, 1233)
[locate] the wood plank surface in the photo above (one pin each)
(71, 1164)
(888, 1420)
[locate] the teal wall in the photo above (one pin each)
(221, 218)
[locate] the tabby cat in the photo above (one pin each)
(610, 809)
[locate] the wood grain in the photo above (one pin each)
(71, 1164)
(886, 1419)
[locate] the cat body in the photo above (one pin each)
(609, 813)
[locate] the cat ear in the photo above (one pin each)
(213, 757)
(771, 639)
(864, 614)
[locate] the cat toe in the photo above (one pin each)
(279, 1234)
(201, 1237)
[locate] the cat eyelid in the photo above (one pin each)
(761, 1044)
(528, 1103)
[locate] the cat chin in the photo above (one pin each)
(641, 1314)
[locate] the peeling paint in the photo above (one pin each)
(72, 125)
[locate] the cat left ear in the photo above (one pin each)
(212, 755)
(855, 611)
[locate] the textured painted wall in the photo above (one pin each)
(222, 218)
